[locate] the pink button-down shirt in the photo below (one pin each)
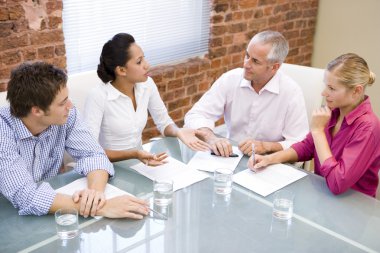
(277, 113)
(355, 160)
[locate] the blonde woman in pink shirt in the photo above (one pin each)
(344, 137)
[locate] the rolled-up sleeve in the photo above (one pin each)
(17, 184)
(305, 148)
(358, 155)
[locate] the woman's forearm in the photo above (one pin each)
(120, 155)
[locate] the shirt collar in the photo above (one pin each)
(363, 108)
(23, 132)
(113, 93)
(272, 86)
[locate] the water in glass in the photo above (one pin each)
(67, 226)
(283, 208)
(163, 193)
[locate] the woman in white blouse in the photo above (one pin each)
(117, 112)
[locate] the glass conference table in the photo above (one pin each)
(202, 221)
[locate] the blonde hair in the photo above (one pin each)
(351, 69)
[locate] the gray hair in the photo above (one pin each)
(280, 46)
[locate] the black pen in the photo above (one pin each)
(231, 155)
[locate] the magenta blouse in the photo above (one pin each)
(355, 160)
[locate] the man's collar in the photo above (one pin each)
(21, 130)
(272, 86)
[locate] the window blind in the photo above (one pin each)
(167, 30)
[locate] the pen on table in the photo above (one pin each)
(158, 213)
(231, 155)
(253, 154)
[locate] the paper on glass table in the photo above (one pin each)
(110, 192)
(81, 183)
(181, 174)
(268, 180)
(207, 162)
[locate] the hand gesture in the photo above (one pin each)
(90, 201)
(246, 147)
(221, 146)
(124, 206)
(151, 159)
(189, 137)
(259, 162)
(319, 119)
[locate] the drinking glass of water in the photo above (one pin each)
(66, 220)
(223, 181)
(162, 192)
(283, 204)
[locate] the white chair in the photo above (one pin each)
(79, 85)
(3, 98)
(311, 82)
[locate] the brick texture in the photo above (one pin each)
(24, 36)
(30, 30)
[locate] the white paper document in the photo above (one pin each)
(181, 174)
(81, 183)
(268, 180)
(207, 162)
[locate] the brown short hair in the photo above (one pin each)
(34, 84)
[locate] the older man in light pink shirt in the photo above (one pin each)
(259, 103)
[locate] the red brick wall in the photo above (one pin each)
(30, 30)
(25, 36)
(233, 23)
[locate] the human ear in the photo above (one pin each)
(276, 66)
(120, 71)
(358, 89)
(35, 110)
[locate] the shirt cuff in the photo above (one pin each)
(86, 165)
(327, 166)
(286, 144)
(42, 200)
(298, 147)
(162, 129)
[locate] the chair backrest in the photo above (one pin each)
(311, 82)
(3, 98)
(79, 86)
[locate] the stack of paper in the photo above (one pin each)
(207, 162)
(269, 179)
(181, 174)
